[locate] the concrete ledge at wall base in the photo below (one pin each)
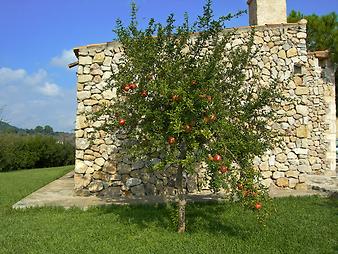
(60, 193)
(324, 184)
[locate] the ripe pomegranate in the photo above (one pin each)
(132, 86)
(258, 205)
(217, 157)
(223, 169)
(126, 88)
(144, 93)
(171, 140)
(122, 122)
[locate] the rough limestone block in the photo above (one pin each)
(292, 174)
(303, 110)
(282, 54)
(95, 186)
(267, 182)
(298, 81)
(108, 94)
(304, 168)
(302, 187)
(82, 143)
(99, 57)
(111, 192)
(258, 40)
(138, 190)
(293, 182)
(302, 90)
(80, 167)
(85, 60)
(266, 174)
(88, 157)
(84, 78)
(81, 122)
(277, 175)
(133, 182)
(82, 181)
(281, 157)
(302, 132)
(292, 156)
(83, 95)
(282, 182)
(301, 35)
(264, 166)
(96, 72)
(99, 175)
(100, 161)
(79, 154)
(292, 52)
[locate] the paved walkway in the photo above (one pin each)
(60, 193)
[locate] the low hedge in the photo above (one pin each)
(37, 151)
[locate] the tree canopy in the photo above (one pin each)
(184, 96)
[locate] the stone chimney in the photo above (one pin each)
(262, 12)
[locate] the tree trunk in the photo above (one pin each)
(181, 201)
(181, 191)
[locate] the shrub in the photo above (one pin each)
(25, 151)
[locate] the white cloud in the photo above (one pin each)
(36, 79)
(32, 99)
(18, 79)
(50, 89)
(7, 74)
(66, 57)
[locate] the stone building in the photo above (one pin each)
(307, 121)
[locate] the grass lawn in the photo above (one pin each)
(299, 225)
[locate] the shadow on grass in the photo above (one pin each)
(330, 203)
(335, 249)
(206, 217)
(221, 218)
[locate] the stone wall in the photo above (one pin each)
(306, 121)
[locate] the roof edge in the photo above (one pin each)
(321, 54)
(258, 28)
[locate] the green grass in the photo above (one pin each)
(299, 225)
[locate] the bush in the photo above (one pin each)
(24, 151)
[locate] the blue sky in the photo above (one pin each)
(37, 36)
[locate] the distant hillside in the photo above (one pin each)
(38, 130)
(6, 127)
